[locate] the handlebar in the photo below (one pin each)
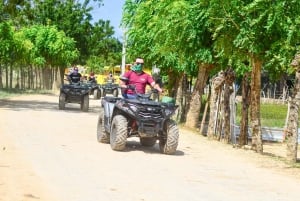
(145, 96)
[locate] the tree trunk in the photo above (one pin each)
(257, 144)
(57, 81)
(6, 76)
(216, 89)
(1, 81)
(28, 78)
(21, 78)
(17, 85)
(181, 98)
(46, 76)
(291, 135)
(11, 75)
(204, 117)
(229, 80)
(243, 139)
(193, 114)
(173, 83)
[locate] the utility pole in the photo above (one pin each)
(123, 52)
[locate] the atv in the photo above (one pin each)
(94, 89)
(74, 93)
(110, 88)
(142, 117)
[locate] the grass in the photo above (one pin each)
(272, 115)
(6, 93)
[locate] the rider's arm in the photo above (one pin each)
(122, 84)
(156, 86)
(69, 77)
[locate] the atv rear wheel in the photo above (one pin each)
(169, 142)
(97, 94)
(148, 141)
(85, 103)
(102, 135)
(62, 101)
(118, 134)
(100, 93)
(104, 93)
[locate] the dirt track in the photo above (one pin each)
(47, 154)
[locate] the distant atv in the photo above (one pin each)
(94, 89)
(74, 93)
(141, 117)
(110, 88)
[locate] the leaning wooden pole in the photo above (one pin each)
(204, 114)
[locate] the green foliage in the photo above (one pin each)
(74, 19)
(49, 45)
(266, 29)
(170, 34)
(7, 43)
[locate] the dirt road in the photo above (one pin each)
(48, 154)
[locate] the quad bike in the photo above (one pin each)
(110, 88)
(142, 117)
(74, 93)
(94, 89)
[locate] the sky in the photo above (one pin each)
(112, 11)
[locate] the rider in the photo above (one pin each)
(137, 77)
(92, 78)
(74, 76)
(110, 78)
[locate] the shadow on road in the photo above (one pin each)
(133, 145)
(35, 105)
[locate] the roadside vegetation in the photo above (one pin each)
(7, 93)
(272, 114)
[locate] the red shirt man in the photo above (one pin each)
(137, 77)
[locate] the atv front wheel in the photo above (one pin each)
(102, 135)
(85, 103)
(62, 101)
(169, 142)
(148, 141)
(118, 134)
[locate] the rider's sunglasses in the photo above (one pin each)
(139, 63)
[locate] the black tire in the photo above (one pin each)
(118, 134)
(96, 94)
(62, 101)
(115, 92)
(100, 93)
(169, 142)
(104, 93)
(102, 135)
(85, 103)
(148, 141)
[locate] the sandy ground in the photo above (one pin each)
(48, 154)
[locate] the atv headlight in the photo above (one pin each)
(168, 112)
(150, 109)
